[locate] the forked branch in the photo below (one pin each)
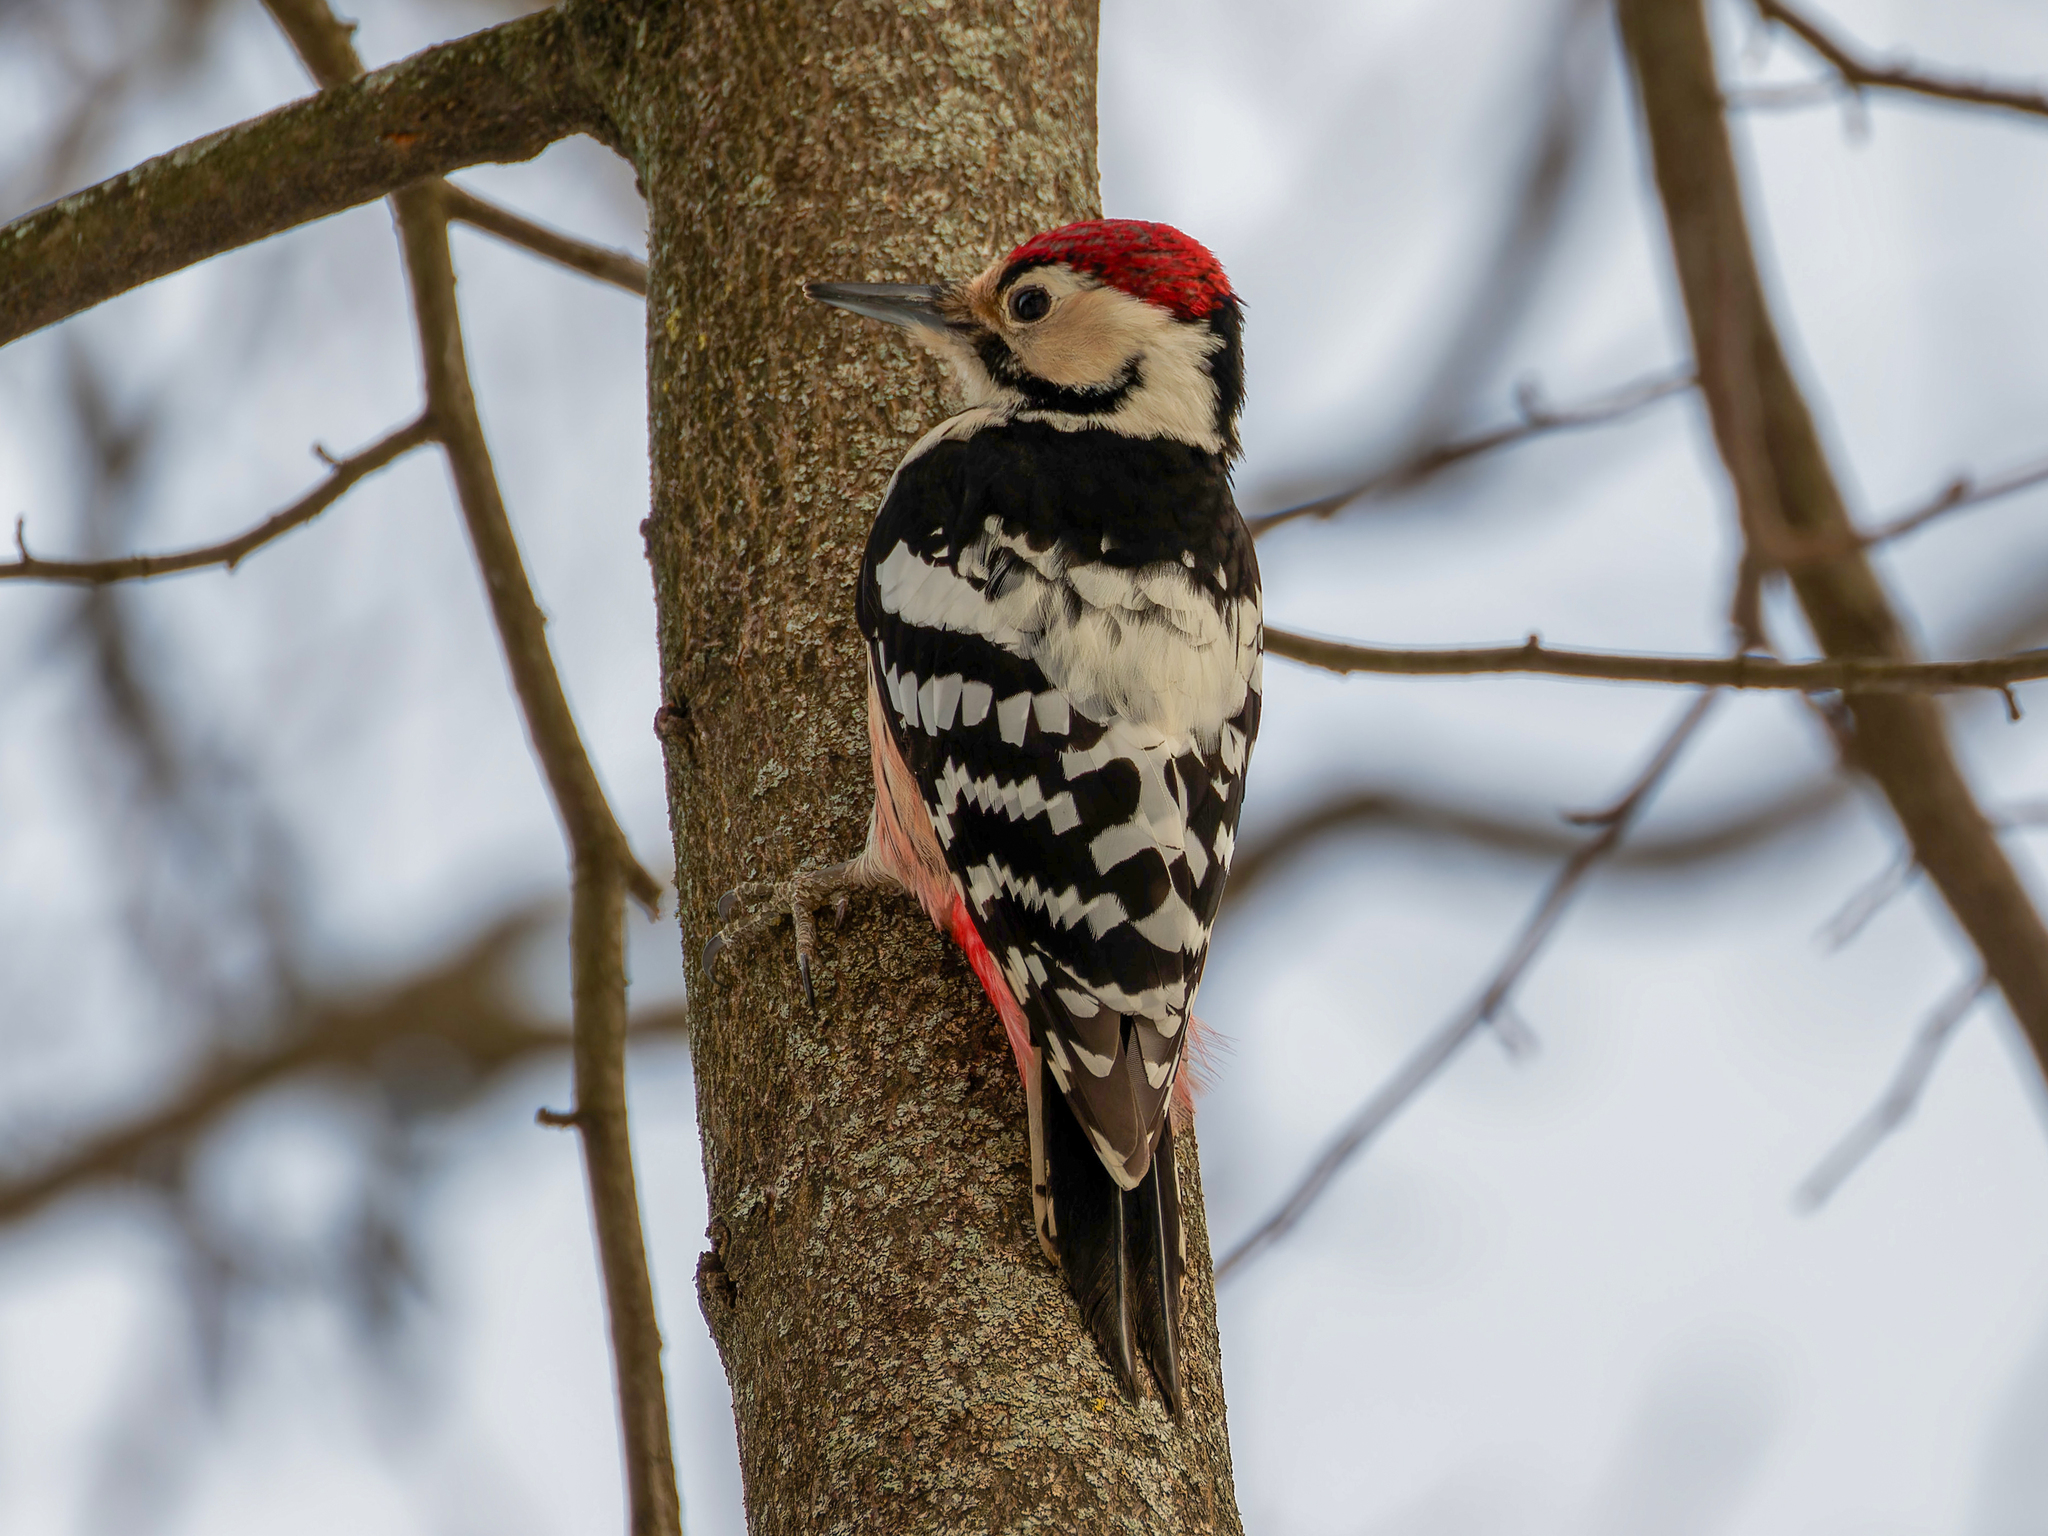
(604, 868)
(1788, 498)
(1860, 74)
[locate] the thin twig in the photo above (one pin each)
(1963, 493)
(604, 868)
(1535, 420)
(1860, 74)
(231, 552)
(522, 627)
(606, 265)
(1959, 493)
(1787, 96)
(1899, 1101)
(1414, 1074)
(1532, 656)
(1870, 899)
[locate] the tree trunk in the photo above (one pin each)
(901, 1356)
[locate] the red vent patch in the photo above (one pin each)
(1153, 262)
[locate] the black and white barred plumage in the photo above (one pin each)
(1062, 613)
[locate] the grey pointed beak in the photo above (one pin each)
(906, 304)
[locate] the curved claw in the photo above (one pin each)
(839, 912)
(725, 904)
(803, 969)
(712, 950)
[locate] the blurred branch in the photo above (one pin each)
(1868, 900)
(603, 862)
(1534, 419)
(1309, 831)
(346, 473)
(1899, 1101)
(1960, 494)
(1843, 675)
(501, 94)
(458, 1003)
(1859, 75)
(607, 266)
(1786, 494)
(1415, 1074)
(522, 628)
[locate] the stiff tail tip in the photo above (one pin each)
(1123, 1253)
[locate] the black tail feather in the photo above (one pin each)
(1159, 1268)
(1121, 1252)
(1090, 1231)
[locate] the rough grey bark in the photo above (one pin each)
(901, 1356)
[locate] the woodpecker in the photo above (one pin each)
(1064, 639)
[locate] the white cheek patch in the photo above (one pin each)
(1175, 396)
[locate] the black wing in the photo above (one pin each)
(1004, 574)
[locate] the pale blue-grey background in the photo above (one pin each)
(1567, 1293)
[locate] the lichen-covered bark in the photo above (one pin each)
(901, 1356)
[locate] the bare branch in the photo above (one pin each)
(1536, 419)
(522, 627)
(1787, 495)
(1532, 656)
(604, 866)
(1859, 75)
(502, 94)
(1899, 1101)
(607, 266)
(230, 553)
(1414, 1074)
(459, 1003)
(1522, 836)
(598, 966)
(1960, 493)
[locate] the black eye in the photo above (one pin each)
(1028, 304)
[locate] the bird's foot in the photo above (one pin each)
(755, 905)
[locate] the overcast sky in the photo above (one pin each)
(1567, 1292)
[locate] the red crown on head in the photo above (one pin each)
(1153, 262)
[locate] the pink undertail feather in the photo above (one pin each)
(1197, 1070)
